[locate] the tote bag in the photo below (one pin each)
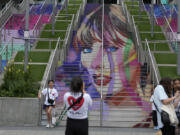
(171, 111)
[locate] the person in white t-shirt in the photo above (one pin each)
(163, 95)
(49, 93)
(77, 121)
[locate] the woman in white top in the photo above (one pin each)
(49, 93)
(162, 95)
(77, 121)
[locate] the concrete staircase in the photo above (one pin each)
(123, 101)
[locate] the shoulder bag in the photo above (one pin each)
(50, 101)
(168, 115)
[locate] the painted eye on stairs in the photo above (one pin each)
(87, 50)
(111, 49)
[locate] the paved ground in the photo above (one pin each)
(60, 131)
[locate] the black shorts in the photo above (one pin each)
(46, 106)
(76, 127)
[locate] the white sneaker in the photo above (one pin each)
(51, 126)
(47, 126)
(156, 128)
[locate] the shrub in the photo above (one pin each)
(17, 83)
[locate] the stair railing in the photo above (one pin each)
(169, 33)
(6, 8)
(151, 64)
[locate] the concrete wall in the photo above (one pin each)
(19, 111)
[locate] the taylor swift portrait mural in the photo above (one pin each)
(121, 68)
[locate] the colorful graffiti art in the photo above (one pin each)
(168, 11)
(121, 70)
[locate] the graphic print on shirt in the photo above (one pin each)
(53, 94)
(76, 107)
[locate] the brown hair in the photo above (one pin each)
(166, 83)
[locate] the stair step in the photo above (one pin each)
(122, 124)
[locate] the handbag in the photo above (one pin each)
(50, 101)
(172, 115)
(164, 115)
(165, 118)
(168, 115)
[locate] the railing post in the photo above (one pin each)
(49, 44)
(12, 47)
(178, 32)
(102, 68)
(53, 17)
(0, 38)
(132, 3)
(140, 6)
(152, 19)
(126, 15)
(7, 53)
(153, 78)
(0, 63)
(4, 34)
(26, 36)
(8, 27)
(66, 6)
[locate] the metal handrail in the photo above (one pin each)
(7, 44)
(127, 14)
(151, 61)
(69, 31)
(67, 37)
(5, 49)
(138, 43)
(167, 20)
(51, 64)
(22, 3)
(36, 25)
(165, 8)
(172, 35)
(7, 6)
(78, 14)
(43, 5)
(165, 33)
(175, 9)
(84, 4)
(123, 5)
(170, 27)
(102, 69)
(44, 39)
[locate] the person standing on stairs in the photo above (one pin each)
(163, 96)
(176, 88)
(77, 101)
(50, 94)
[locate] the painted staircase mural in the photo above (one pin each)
(123, 102)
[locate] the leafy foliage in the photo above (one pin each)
(17, 83)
